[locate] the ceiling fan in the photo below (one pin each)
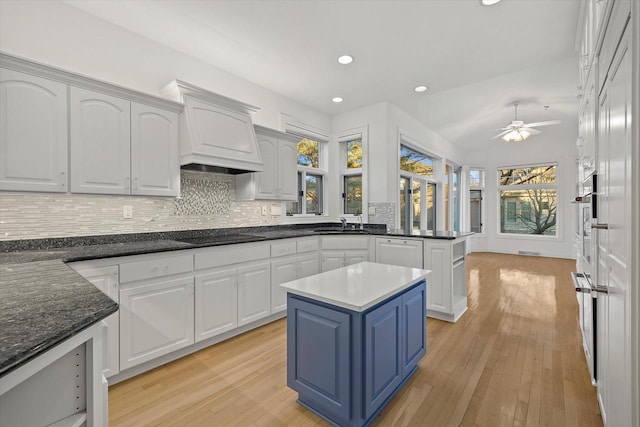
(518, 130)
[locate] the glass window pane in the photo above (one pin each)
(313, 194)
(416, 195)
(456, 199)
(528, 175)
(308, 153)
(405, 210)
(296, 207)
(414, 162)
(446, 196)
(353, 194)
(476, 178)
(354, 154)
(431, 206)
(528, 211)
(475, 210)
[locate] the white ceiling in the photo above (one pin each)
(476, 60)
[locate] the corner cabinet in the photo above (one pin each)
(278, 180)
(447, 290)
(33, 140)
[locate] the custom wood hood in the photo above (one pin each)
(216, 132)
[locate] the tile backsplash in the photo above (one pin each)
(207, 201)
(385, 213)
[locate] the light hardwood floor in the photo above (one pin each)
(514, 359)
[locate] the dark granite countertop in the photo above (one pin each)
(43, 301)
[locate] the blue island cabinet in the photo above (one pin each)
(346, 365)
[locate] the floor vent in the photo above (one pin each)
(528, 253)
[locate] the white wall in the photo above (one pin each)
(552, 145)
(62, 36)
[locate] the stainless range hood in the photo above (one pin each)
(216, 132)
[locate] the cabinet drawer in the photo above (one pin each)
(345, 242)
(158, 267)
(231, 254)
(308, 245)
(283, 248)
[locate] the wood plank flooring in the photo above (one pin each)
(514, 359)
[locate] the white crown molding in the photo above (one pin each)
(45, 71)
(274, 133)
(178, 88)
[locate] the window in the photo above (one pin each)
(351, 170)
(528, 200)
(415, 162)
(451, 197)
(417, 191)
(476, 189)
(310, 178)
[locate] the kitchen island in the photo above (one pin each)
(354, 337)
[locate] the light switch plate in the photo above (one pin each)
(276, 210)
(264, 210)
(372, 210)
(127, 212)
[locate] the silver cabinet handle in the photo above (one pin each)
(600, 226)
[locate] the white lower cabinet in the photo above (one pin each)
(402, 252)
(286, 270)
(156, 318)
(254, 292)
(333, 259)
(216, 303)
(447, 284)
(340, 251)
(106, 279)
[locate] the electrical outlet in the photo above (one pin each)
(127, 212)
(264, 210)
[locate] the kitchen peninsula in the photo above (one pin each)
(354, 337)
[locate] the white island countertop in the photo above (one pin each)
(356, 287)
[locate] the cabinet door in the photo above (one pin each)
(414, 343)
(402, 252)
(331, 261)
(106, 279)
(216, 303)
(254, 292)
(308, 265)
(155, 319)
(437, 258)
(282, 271)
(33, 140)
(354, 257)
(100, 149)
(287, 170)
(382, 358)
(155, 169)
(267, 180)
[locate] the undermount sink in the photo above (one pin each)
(341, 231)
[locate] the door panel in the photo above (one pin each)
(216, 303)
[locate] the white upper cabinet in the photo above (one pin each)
(155, 169)
(278, 180)
(100, 143)
(33, 133)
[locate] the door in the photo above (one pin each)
(267, 180)
(254, 292)
(33, 141)
(354, 257)
(331, 261)
(106, 279)
(216, 303)
(308, 265)
(414, 342)
(155, 319)
(154, 151)
(284, 270)
(100, 143)
(382, 358)
(287, 170)
(437, 258)
(614, 244)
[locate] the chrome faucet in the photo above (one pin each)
(361, 221)
(343, 220)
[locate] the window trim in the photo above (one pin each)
(342, 137)
(483, 191)
(555, 186)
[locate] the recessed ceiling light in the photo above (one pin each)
(420, 89)
(345, 59)
(489, 2)
(337, 99)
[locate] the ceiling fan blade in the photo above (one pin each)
(548, 123)
(502, 133)
(532, 131)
